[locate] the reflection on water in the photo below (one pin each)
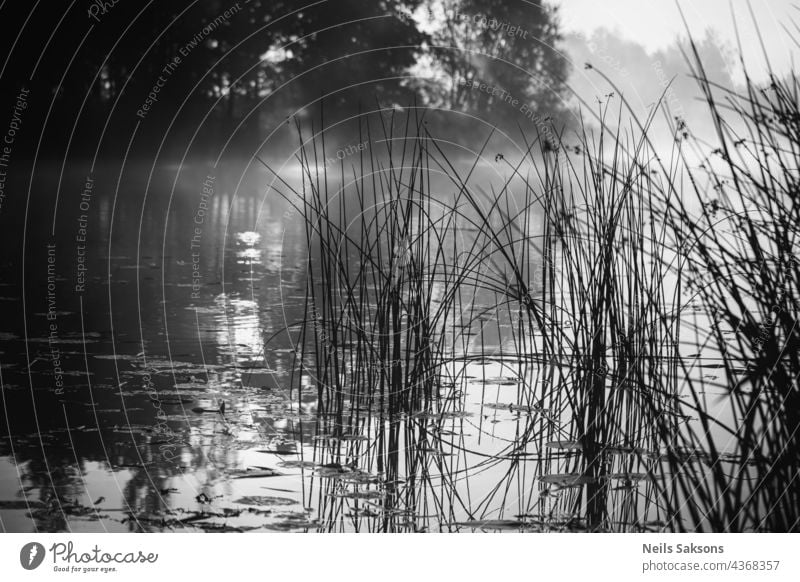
(182, 408)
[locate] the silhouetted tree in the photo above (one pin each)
(352, 53)
(508, 45)
(347, 51)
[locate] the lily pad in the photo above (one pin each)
(564, 445)
(509, 524)
(501, 381)
(624, 450)
(265, 500)
(372, 494)
(256, 474)
(297, 464)
(633, 477)
(566, 479)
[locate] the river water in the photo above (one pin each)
(150, 381)
(146, 375)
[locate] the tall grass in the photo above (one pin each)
(731, 462)
(564, 264)
(646, 313)
(604, 328)
(739, 252)
(388, 280)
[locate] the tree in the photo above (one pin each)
(510, 46)
(347, 51)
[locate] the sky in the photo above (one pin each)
(655, 24)
(635, 44)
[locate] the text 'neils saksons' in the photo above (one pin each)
(681, 549)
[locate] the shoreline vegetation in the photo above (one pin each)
(645, 312)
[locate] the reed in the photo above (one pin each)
(645, 311)
(739, 252)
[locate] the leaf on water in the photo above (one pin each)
(566, 479)
(289, 525)
(372, 494)
(623, 450)
(255, 474)
(331, 470)
(291, 520)
(633, 477)
(265, 500)
(201, 410)
(491, 524)
(442, 415)
(498, 406)
(456, 414)
(361, 477)
(362, 512)
(564, 445)
(220, 527)
(346, 474)
(297, 464)
(501, 380)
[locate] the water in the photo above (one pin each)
(150, 383)
(178, 302)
